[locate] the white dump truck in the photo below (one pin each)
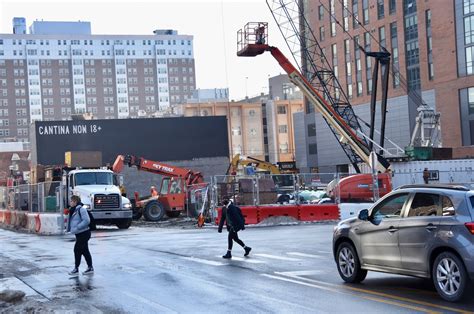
(100, 193)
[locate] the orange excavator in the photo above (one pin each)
(171, 197)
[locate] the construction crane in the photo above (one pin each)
(339, 115)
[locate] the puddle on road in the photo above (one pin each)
(166, 277)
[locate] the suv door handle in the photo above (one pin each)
(431, 227)
(392, 229)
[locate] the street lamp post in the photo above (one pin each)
(246, 91)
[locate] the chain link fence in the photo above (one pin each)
(198, 199)
(35, 198)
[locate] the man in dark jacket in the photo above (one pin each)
(232, 216)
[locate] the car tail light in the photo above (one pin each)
(470, 227)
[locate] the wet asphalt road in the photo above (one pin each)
(148, 270)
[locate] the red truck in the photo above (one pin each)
(359, 187)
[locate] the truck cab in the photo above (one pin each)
(100, 194)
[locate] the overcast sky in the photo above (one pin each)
(213, 23)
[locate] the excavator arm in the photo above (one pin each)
(259, 164)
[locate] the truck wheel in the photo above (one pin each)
(137, 213)
(124, 224)
(154, 211)
(173, 214)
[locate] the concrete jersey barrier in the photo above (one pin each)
(40, 223)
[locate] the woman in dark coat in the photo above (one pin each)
(232, 216)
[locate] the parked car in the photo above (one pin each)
(417, 230)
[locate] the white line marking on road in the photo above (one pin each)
(131, 270)
(324, 252)
(203, 261)
(282, 258)
(148, 302)
(305, 255)
(399, 304)
(245, 260)
(297, 273)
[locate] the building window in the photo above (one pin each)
(321, 33)
(321, 12)
(468, 30)
(311, 130)
(429, 45)
(382, 36)
(355, 14)
(345, 15)
(380, 9)
(281, 109)
(312, 149)
(283, 129)
(236, 131)
(284, 148)
(395, 59)
(365, 11)
(470, 95)
(468, 7)
(392, 6)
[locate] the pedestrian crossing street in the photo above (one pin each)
(261, 258)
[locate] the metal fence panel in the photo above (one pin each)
(41, 197)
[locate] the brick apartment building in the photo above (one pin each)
(261, 127)
(431, 43)
(60, 68)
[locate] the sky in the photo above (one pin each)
(213, 23)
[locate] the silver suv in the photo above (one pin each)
(417, 230)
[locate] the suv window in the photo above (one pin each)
(424, 204)
(390, 207)
(447, 206)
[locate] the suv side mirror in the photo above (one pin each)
(364, 214)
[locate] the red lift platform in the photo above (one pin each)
(252, 39)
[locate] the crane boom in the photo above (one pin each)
(156, 167)
(333, 118)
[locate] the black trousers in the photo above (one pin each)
(233, 236)
(82, 248)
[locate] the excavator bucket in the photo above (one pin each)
(118, 164)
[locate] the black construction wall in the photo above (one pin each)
(156, 139)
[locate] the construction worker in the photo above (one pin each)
(426, 175)
(153, 191)
(123, 191)
(260, 34)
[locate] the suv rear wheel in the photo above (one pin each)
(449, 276)
(348, 264)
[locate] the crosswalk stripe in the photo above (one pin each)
(304, 255)
(246, 260)
(299, 273)
(282, 258)
(204, 261)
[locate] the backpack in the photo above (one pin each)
(237, 218)
(92, 224)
